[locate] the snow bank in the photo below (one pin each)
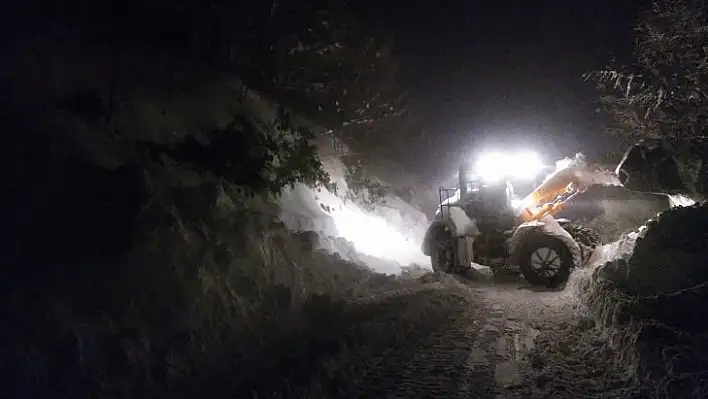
(387, 238)
(647, 291)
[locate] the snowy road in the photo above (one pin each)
(450, 340)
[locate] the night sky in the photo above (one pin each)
(490, 73)
(495, 73)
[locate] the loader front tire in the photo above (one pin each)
(587, 239)
(545, 260)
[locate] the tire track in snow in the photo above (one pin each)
(433, 359)
(453, 341)
(550, 350)
(474, 346)
(504, 345)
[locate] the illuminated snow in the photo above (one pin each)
(586, 176)
(680, 200)
(374, 236)
(392, 233)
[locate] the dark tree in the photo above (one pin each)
(318, 58)
(664, 93)
(328, 62)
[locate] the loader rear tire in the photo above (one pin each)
(545, 260)
(442, 258)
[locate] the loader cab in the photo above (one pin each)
(468, 184)
(489, 204)
(486, 201)
(473, 188)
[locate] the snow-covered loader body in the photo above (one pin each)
(483, 223)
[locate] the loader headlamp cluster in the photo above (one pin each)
(495, 166)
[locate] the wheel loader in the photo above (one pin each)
(486, 221)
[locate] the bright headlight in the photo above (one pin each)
(488, 166)
(495, 166)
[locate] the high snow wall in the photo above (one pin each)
(386, 235)
(163, 100)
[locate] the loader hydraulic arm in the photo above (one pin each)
(550, 196)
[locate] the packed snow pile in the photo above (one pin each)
(648, 291)
(607, 207)
(586, 175)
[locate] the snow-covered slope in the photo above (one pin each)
(385, 238)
